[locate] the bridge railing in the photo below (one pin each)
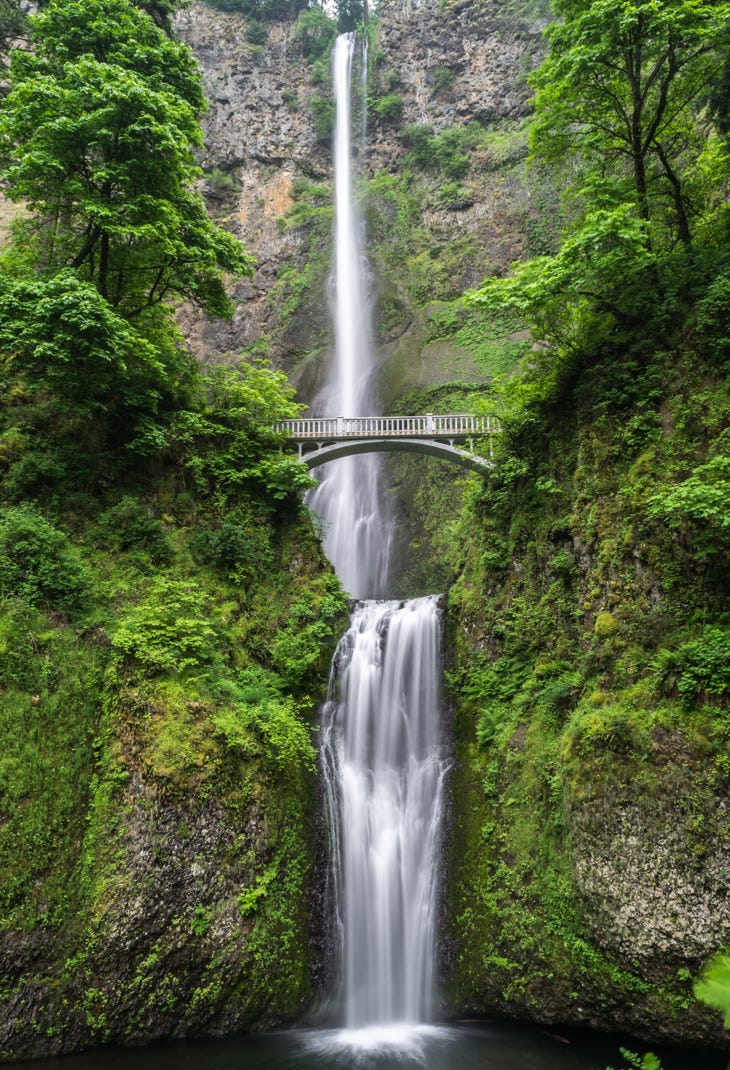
(430, 425)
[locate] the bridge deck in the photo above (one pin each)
(454, 427)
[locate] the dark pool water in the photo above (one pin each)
(460, 1047)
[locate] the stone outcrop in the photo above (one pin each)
(466, 63)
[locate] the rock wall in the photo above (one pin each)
(449, 67)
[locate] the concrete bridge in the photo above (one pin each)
(325, 439)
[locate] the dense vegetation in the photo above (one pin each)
(165, 612)
(593, 632)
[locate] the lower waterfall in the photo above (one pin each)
(384, 770)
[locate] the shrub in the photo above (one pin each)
(237, 548)
(128, 525)
(38, 563)
(323, 111)
(454, 196)
(257, 33)
(315, 31)
(170, 631)
(388, 108)
(443, 79)
(699, 667)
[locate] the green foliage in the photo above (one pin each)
(220, 183)
(455, 196)
(49, 688)
(239, 548)
(37, 562)
(170, 631)
(699, 506)
(445, 152)
(387, 109)
(129, 525)
(312, 209)
(232, 442)
(647, 1061)
(606, 625)
(323, 111)
(699, 668)
(713, 986)
(285, 738)
(13, 23)
(315, 32)
(200, 922)
(443, 79)
(626, 92)
(257, 33)
(713, 319)
(351, 14)
(310, 622)
(96, 134)
(60, 337)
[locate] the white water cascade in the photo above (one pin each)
(349, 498)
(382, 752)
(384, 775)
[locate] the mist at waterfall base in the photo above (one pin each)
(462, 1047)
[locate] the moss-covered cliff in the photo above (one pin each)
(162, 658)
(591, 851)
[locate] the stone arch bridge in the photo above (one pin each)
(449, 437)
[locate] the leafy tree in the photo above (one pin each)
(351, 14)
(315, 31)
(81, 382)
(622, 87)
(621, 107)
(37, 562)
(232, 442)
(97, 134)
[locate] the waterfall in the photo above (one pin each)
(384, 774)
(381, 744)
(349, 498)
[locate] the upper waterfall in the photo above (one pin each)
(350, 498)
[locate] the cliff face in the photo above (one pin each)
(455, 70)
(591, 864)
(159, 836)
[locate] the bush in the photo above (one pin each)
(238, 549)
(38, 563)
(316, 32)
(445, 152)
(454, 196)
(323, 111)
(170, 631)
(388, 108)
(257, 33)
(129, 525)
(443, 79)
(699, 667)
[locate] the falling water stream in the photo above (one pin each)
(350, 497)
(381, 740)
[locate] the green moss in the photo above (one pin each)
(588, 667)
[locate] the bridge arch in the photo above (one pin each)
(321, 454)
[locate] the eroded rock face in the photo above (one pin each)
(653, 869)
(171, 939)
(448, 67)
